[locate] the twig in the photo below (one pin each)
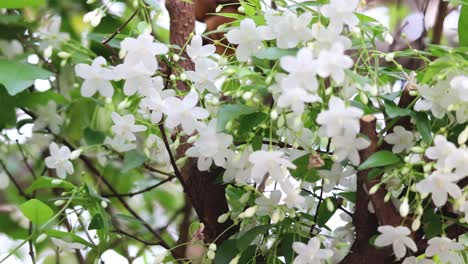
(317, 210)
(10, 176)
(148, 243)
(131, 194)
(119, 29)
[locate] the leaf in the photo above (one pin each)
(380, 159)
(16, 76)
(36, 211)
(93, 137)
(463, 26)
(257, 142)
(274, 53)
(393, 110)
(227, 113)
(432, 224)
(245, 240)
(7, 109)
(285, 248)
(97, 222)
(129, 219)
(423, 126)
(350, 196)
(302, 170)
(226, 252)
(324, 214)
(248, 122)
(21, 3)
(45, 182)
(132, 159)
(68, 237)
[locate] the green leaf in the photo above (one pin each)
(323, 213)
(248, 122)
(36, 211)
(380, 159)
(16, 76)
(97, 222)
(7, 109)
(302, 170)
(245, 240)
(393, 110)
(350, 196)
(463, 26)
(93, 137)
(432, 224)
(132, 159)
(274, 53)
(21, 3)
(423, 126)
(227, 113)
(45, 182)
(226, 252)
(68, 237)
(257, 142)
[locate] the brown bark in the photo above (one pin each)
(207, 198)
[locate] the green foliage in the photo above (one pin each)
(36, 211)
(22, 3)
(380, 159)
(463, 26)
(16, 76)
(227, 113)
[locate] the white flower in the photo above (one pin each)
(137, 77)
(460, 85)
(248, 37)
(441, 150)
(325, 38)
(49, 33)
(59, 160)
(119, 144)
(152, 104)
(302, 68)
(184, 112)
(341, 12)
(289, 29)
(335, 176)
(96, 78)
(196, 50)
(238, 168)
(156, 150)
(347, 147)
(401, 139)
(94, 17)
(204, 76)
(397, 237)
(444, 247)
(124, 126)
(293, 197)
(310, 253)
(47, 116)
(211, 146)
(333, 62)
(143, 50)
(266, 206)
(10, 49)
(294, 96)
(271, 162)
(440, 184)
(414, 260)
(457, 162)
(339, 119)
(67, 246)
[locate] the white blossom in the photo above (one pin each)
(414, 260)
(204, 76)
(96, 77)
(335, 176)
(124, 126)
(293, 197)
(397, 237)
(196, 50)
(440, 184)
(119, 144)
(401, 139)
(302, 68)
(59, 160)
(143, 50)
(341, 12)
(211, 146)
(294, 96)
(339, 119)
(333, 62)
(441, 150)
(152, 105)
(156, 150)
(94, 17)
(184, 112)
(67, 246)
(47, 116)
(288, 28)
(444, 247)
(266, 206)
(137, 77)
(326, 37)
(248, 37)
(49, 33)
(238, 168)
(271, 162)
(310, 253)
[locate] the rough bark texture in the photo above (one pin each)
(207, 198)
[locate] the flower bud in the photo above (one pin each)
(104, 204)
(59, 202)
(175, 57)
(245, 197)
(212, 247)
(41, 238)
(183, 77)
(57, 181)
(235, 260)
(210, 254)
(274, 114)
(75, 154)
(389, 57)
(181, 162)
(330, 205)
(275, 217)
(404, 208)
(172, 77)
(223, 218)
(417, 150)
(388, 38)
(124, 104)
(416, 224)
(363, 98)
(463, 137)
(241, 9)
(387, 196)
(63, 55)
(374, 189)
(249, 212)
(247, 95)
(405, 170)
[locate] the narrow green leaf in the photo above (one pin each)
(46, 182)
(323, 213)
(380, 159)
(245, 240)
(36, 211)
(393, 110)
(97, 222)
(463, 26)
(226, 252)
(423, 126)
(350, 196)
(68, 237)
